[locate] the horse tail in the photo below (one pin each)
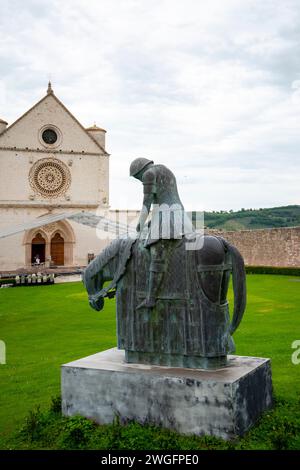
(239, 284)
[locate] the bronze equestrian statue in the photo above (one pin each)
(171, 300)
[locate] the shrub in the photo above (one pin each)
(55, 405)
(31, 430)
(273, 270)
(76, 433)
(7, 281)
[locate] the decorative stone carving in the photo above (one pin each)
(50, 178)
(50, 227)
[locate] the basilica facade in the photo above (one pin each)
(49, 164)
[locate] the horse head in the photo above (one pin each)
(109, 265)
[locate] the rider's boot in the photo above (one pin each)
(155, 280)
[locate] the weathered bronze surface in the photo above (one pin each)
(171, 301)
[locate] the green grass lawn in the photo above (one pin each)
(44, 327)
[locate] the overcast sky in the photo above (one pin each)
(210, 88)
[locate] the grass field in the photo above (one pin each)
(44, 327)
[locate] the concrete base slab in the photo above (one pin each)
(225, 402)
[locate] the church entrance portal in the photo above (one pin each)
(38, 246)
(58, 250)
(53, 243)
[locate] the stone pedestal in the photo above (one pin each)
(225, 402)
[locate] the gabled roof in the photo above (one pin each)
(50, 92)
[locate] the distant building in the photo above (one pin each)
(50, 163)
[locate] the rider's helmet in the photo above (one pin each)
(138, 164)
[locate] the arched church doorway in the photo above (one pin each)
(59, 240)
(57, 250)
(38, 247)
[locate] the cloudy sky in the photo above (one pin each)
(210, 88)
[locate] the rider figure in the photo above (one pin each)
(168, 222)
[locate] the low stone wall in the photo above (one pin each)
(266, 247)
(68, 278)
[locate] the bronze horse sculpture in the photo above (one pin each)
(190, 324)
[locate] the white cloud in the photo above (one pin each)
(210, 89)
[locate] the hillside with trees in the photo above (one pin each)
(247, 219)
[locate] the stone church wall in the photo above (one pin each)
(266, 247)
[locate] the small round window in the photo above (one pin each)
(49, 136)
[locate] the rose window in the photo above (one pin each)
(50, 177)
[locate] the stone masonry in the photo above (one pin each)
(266, 247)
